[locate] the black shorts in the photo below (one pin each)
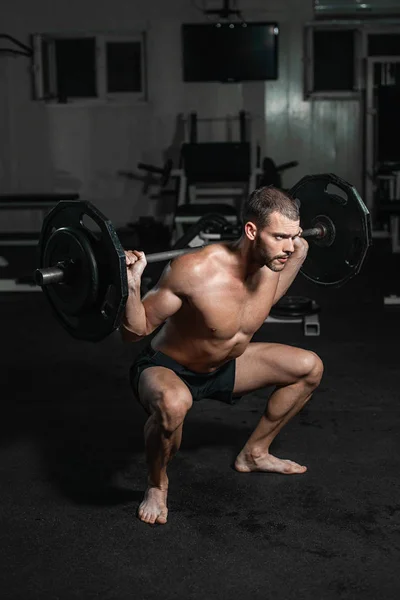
(217, 385)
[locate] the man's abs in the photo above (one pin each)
(201, 354)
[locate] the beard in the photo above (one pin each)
(265, 259)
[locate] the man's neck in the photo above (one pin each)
(245, 262)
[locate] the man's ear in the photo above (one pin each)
(250, 230)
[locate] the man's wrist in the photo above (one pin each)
(134, 286)
(300, 255)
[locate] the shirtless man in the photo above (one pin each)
(212, 302)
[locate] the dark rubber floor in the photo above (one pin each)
(72, 468)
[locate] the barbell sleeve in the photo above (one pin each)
(319, 231)
(49, 275)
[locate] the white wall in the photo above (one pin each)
(68, 148)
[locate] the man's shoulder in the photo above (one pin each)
(189, 271)
(197, 262)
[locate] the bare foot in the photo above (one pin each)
(154, 509)
(247, 464)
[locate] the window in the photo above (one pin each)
(384, 44)
(89, 68)
(332, 66)
(124, 68)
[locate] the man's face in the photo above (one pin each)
(274, 244)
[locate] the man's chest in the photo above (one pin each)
(226, 310)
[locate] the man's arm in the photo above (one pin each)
(143, 316)
(292, 267)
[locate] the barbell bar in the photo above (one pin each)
(59, 273)
(82, 266)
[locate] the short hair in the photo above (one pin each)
(263, 201)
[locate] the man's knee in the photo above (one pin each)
(171, 408)
(313, 369)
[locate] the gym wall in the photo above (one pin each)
(65, 148)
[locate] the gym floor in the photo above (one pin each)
(73, 469)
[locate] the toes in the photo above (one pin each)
(299, 469)
(152, 517)
(144, 516)
(148, 518)
(296, 468)
(162, 518)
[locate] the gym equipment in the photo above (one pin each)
(332, 205)
(16, 256)
(187, 239)
(242, 117)
(164, 173)
(295, 306)
(297, 309)
(82, 268)
(271, 173)
(217, 162)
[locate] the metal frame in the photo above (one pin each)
(370, 140)
(311, 325)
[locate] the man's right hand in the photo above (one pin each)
(135, 265)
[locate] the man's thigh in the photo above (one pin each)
(265, 364)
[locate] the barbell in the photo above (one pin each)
(82, 267)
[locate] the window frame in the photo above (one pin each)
(101, 40)
(309, 91)
(363, 29)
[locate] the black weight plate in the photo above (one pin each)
(338, 262)
(81, 286)
(294, 303)
(105, 314)
(294, 306)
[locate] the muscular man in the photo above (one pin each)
(212, 302)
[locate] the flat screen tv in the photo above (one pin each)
(230, 52)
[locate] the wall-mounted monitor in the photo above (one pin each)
(230, 52)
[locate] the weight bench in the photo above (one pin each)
(214, 177)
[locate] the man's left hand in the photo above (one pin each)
(300, 244)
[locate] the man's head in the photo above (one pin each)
(271, 222)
